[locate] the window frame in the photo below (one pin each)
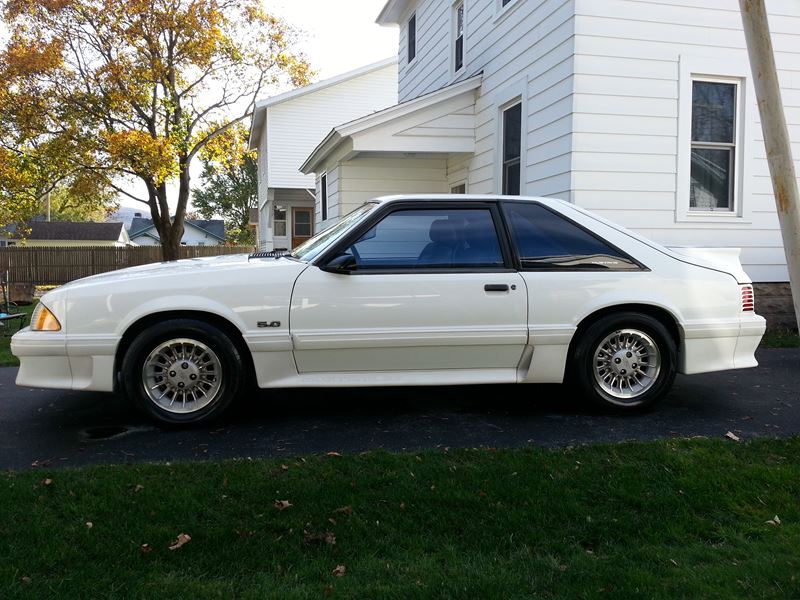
(411, 49)
(501, 11)
(502, 145)
(577, 268)
(323, 193)
(454, 37)
(717, 70)
(385, 210)
(285, 221)
(733, 147)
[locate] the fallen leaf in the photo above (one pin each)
(326, 537)
(47, 481)
(732, 436)
(339, 571)
(26, 580)
(673, 561)
(145, 548)
(282, 504)
(344, 510)
(333, 454)
(139, 487)
(774, 521)
(284, 467)
(89, 524)
(182, 540)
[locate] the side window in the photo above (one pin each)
(430, 238)
(546, 240)
(412, 37)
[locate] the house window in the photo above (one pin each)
(512, 147)
(279, 221)
(412, 37)
(458, 36)
(714, 135)
(3, 243)
(461, 188)
(323, 193)
(505, 2)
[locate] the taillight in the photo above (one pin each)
(748, 299)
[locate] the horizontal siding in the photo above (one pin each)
(530, 50)
(625, 117)
(296, 126)
(367, 177)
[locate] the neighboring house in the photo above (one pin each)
(640, 110)
(195, 232)
(71, 233)
(287, 127)
(7, 236)
(254, 225)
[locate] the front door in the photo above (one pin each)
(302, 225)
(429, 290)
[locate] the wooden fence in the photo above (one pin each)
(56, 265)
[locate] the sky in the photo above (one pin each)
(341, 35)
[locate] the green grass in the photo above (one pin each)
(6, 358)
(676, 519)
(780, 338)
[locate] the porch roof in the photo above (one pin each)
(440, 122)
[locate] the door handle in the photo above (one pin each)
(495, 287)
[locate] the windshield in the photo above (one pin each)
(313, 247)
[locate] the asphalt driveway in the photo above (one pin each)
(56, 428)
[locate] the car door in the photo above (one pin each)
(421, 287)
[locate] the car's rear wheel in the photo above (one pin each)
(625, 361)
(182, 372)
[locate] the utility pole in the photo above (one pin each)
(776, 136)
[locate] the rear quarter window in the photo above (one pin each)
(544, 240)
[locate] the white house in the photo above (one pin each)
(195, 232)
(286, 128)
(68, 233)
(640, 110)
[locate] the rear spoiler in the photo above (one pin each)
(721, 259)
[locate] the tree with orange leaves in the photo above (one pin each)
(137, 88)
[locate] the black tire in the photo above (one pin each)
(214, 364)
(598, 373)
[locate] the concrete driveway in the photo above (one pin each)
(60, 429)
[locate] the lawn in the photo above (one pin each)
(6, 358)
(694, 518)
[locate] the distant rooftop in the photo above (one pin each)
(72, 230)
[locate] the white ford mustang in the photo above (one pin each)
(406, 290)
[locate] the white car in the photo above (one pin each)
(405, 290)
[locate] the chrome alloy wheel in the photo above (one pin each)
(182, 375)
(626, 364)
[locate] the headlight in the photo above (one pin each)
(43, 320)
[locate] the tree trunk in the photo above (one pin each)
(776, 136)
(171, 230)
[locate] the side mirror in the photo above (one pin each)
(341, 263)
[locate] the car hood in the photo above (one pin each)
(188, 267)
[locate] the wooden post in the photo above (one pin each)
(776, 136)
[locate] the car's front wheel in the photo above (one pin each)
(625, 361)
(182, 372)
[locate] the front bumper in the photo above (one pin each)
(47, 360)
